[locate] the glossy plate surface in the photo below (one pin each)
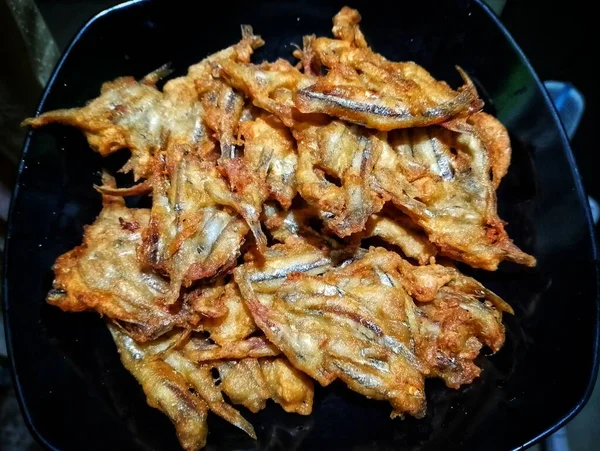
(73, 389)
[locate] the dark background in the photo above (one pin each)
(557, 37)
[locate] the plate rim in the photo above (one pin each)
(581, 194)
(578, 185)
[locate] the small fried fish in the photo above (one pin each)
(367, 89)
(166, 390)
(359, 324)
(104, 275)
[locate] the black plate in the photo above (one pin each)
(73, 390)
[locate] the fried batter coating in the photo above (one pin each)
(367, 89)
(400, 231)
(208, 300)
(494, 139)
(235, 323)
(358, 323)
(251, 382)
(345, 27)
(296, 223)
(288, 387)
(202, 350)
(243, 382)
(283, 224)
(271, 87)
(441, 179)
(104, 275)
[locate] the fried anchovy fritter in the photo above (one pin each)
(185, 390)
(135, 115)
(367, 89)
(358, 323)
(128, 114)
(441, 179)
(104, 275)
(330, 332)
(182, 389)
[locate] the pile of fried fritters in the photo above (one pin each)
(297, 216)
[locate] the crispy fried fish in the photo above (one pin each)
(367, 89)
(180, 388)
(354, 332)
(185, 390)
(201, 379)
(441, 179)
(104, 275)
(166, 390)
(128, 114)
(296, 255)
(358, 323)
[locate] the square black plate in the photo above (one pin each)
(74, 393)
